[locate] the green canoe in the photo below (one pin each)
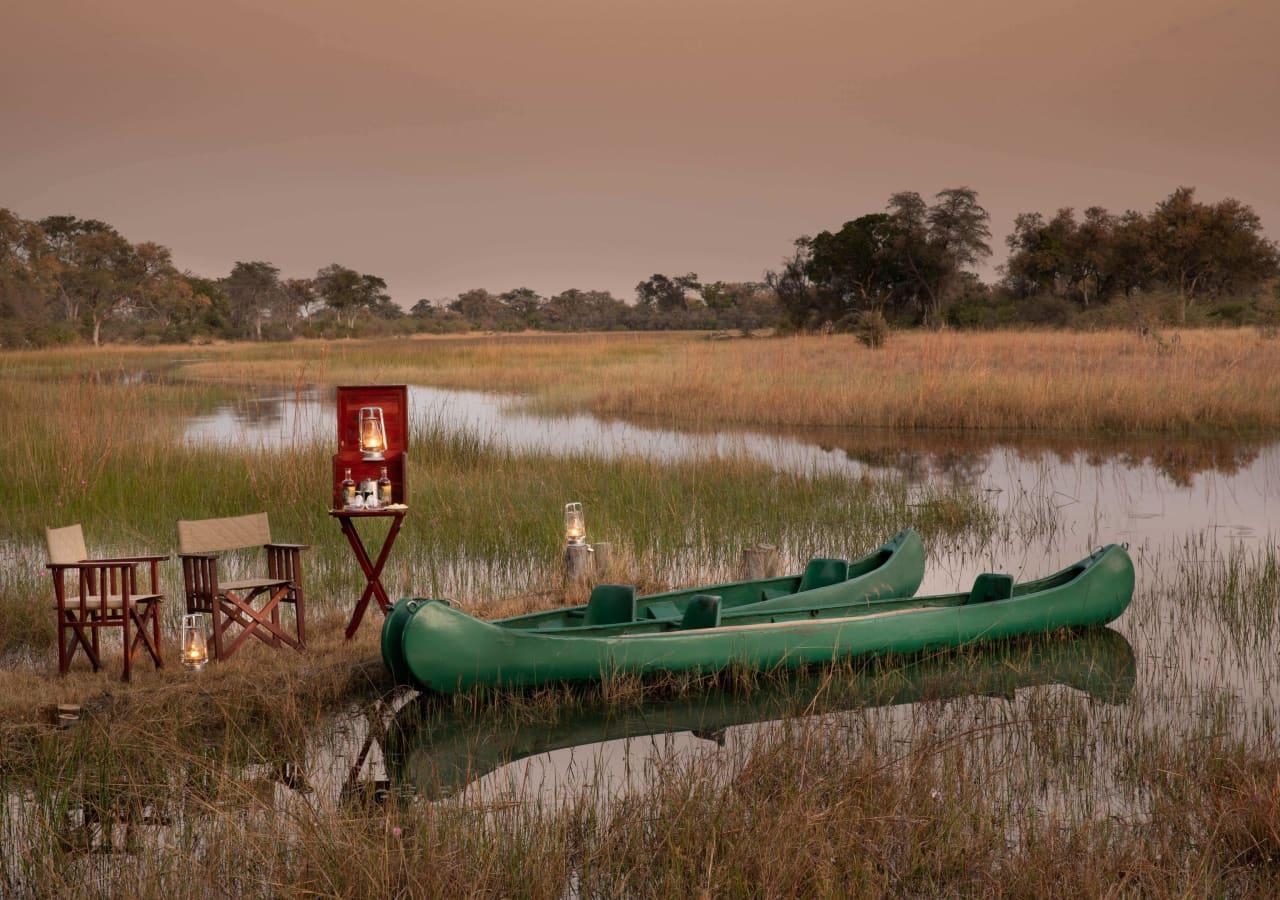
(436, 751)
(894, 569)
(445, 650)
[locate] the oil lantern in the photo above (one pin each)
(373, 433)
(195, 651)
(575, 529)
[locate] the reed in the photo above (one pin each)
(485, 530)
(1204, 382)
(932, 799)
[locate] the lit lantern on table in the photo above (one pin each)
(373, 433)
(195, 651)
(575, 528)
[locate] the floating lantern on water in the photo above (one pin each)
(373, 433)
(575, 529)
(195, 651)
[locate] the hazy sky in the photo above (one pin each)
(590, 143)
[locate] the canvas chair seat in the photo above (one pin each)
(248, 584)
(114, 601)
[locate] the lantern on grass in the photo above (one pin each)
(575, 528)
(195, 651)
(373, 433)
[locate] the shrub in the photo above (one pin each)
(871, 329)
(1047, 309)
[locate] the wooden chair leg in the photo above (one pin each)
(155, 632)
(144, 632)
(95, 655)
(217, 630)
(299, 614)
(126, 645)
(71, 634)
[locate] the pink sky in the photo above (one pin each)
(590, 143)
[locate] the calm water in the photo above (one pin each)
(1145, 492)
(1184, 506)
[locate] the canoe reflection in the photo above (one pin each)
(435, 750)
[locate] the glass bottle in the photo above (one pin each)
(384, 488)
(348, 490)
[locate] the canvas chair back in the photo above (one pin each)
(216, 535)
(66, 545)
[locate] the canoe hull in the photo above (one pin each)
(445, 650)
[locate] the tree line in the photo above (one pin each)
(912, 263)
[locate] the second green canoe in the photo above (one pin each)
(894, 569)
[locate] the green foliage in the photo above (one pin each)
(1196, 251)
(871, 328)
(668, 293)
(348, 293)
(912, 258)
(255, 292)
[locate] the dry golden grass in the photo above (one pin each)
(1191, 381)
(257, 676)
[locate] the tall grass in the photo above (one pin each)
(1118, 382)
(1040, 794)
(484, 527)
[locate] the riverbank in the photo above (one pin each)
(1120, 382)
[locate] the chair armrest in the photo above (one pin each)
(197, 556)
(94, 564)
(131, 559)
(276, 546)
(97, 576)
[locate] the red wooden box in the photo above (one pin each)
(394, 401)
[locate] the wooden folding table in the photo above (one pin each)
(372, 569)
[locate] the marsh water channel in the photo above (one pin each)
(1198, 650)
(1051, 726)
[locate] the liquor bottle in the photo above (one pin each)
(384, 488)
(348, 490)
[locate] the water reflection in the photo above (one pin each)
(964, 457)
(306, 414)
(1143, 490)
(434, 750)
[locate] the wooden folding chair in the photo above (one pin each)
(106, 595)
(233, 601)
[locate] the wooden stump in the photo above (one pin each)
(577, 562)
(759, 561)
(602, 556)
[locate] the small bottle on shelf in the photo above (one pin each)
(348, 490)
(384, 488)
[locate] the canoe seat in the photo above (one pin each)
(823, 572)
(703, 611)
(773, 593)
(611, 604)
(990, 586)
(663, 609)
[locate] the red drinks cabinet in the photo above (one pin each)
(393, 400)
